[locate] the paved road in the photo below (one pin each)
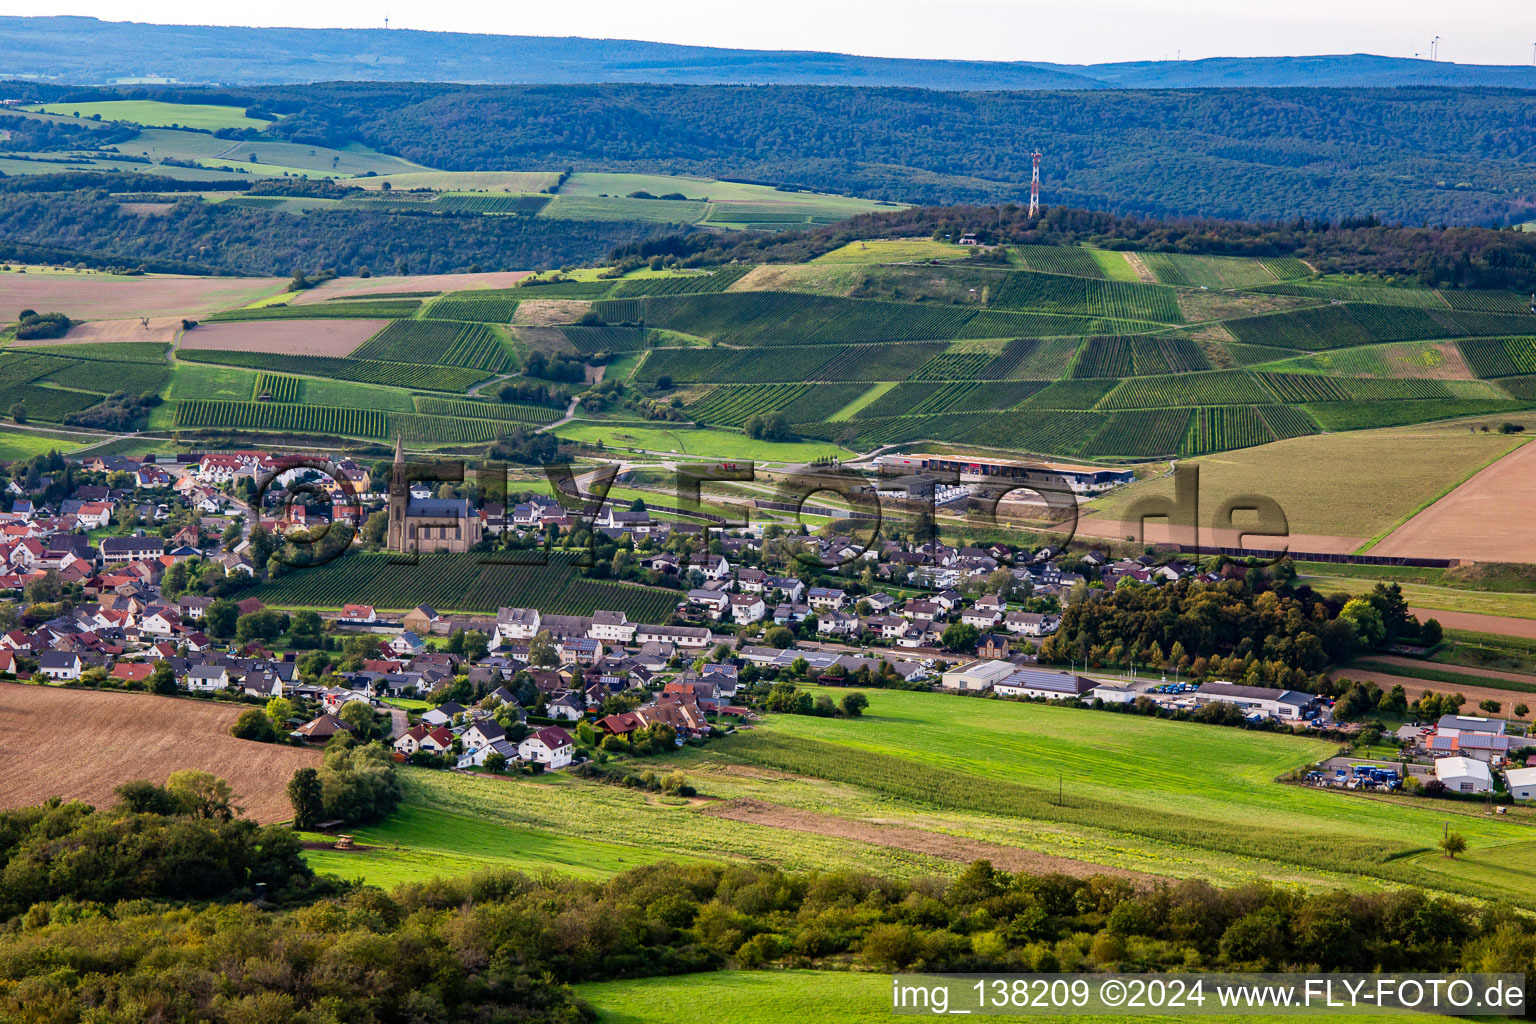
(400, 721)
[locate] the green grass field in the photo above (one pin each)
(420, 842)
(191, 381)
(23, 444)
(809, 997)
(894, 250)
(723, 444)
(158, 114)
(1191, 786)
(1165, 799)
(1450, 599)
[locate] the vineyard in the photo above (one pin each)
(44, 403)
(108, 351)
(487, 305)
(460, 583)
(732, 406)
(1208, 387)
(1058, 259)
(1499, 357)
(380, 309)
(1223, 427)
(1053, 293)
(689, 284)
(1363, 415)
(278, 387)
(445, 342)
(1306, 387)
(314, 419)
(362, 371)
(1143, 433)
(875, 362)
(1138, 356)
(1073, 394)
(513, 411)
(99, 375)
(591, 340)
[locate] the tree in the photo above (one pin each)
(279, 710)
(1521, 710)
(1453, 843)
(780, 637)
(959, 636)
(253, 724)
(541, 650)
(46, 589)
(496, 763)
(853, 704)
(220, 617)
(362, 718)
(1491, 707)
(163, 679)
(1366, 618)
(306, 630)
(202, 794)
(306, 796)
(476, 645)
(144, 797)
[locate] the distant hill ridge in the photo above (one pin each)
(79, 50)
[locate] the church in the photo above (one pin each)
(428, 525)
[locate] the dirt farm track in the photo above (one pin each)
(81, 744)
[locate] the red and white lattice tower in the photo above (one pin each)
(1034, 187)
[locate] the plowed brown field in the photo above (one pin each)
(81, 744)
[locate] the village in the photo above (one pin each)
(133, 574)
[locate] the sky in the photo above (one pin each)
(1064, 31)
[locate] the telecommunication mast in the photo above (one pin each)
(1034, 187)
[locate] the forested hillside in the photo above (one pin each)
(1423, 155)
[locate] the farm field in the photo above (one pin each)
(1337, 490)
(161, 331)
(89, 296)
(893, 250)
(410, 284)
(125, 736)
(1437, 598)
(332, 338)
(1486, 519)
(158, 114)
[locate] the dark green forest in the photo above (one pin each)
(1414, 155)
(247, 241)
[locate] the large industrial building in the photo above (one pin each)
(1082, 480)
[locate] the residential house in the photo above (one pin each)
(551, 746)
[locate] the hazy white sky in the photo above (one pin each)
(1069, 31)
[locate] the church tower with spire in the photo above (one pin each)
(399, 498)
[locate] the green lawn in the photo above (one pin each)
(159, 114)
(808, 997)
(721, 444)
(23, 444)
(894, 250)
(419, 842)
(191, 381)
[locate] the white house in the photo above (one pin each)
(1034, 682)
(207, 678)
(517, 623)
(1463, 775)
(59, 665)
(612, 627)
(1521, 783)
(747, 608)
(551, 746)
(478, 756)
